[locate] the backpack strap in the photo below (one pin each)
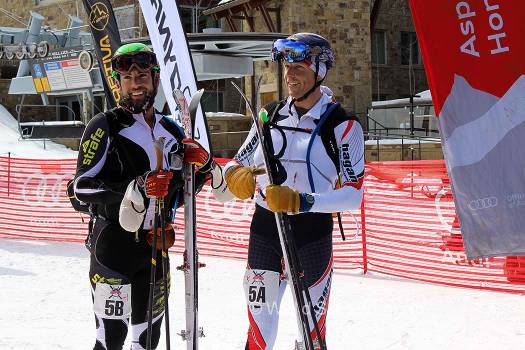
(327, 134)
(333, 116)
(316, 131)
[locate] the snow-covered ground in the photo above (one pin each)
(46, 304)
(10, 141)
(45, 300)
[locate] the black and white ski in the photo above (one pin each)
(303, 305)
(190, 265)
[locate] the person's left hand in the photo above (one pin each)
(170, 237)
(283, 199)
(195, 154)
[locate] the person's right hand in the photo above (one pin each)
(155, 183)
(241, 180)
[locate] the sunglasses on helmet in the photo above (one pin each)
(289, 51)
(143, 60)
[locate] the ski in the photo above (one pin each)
(301, 297)
(190, 265)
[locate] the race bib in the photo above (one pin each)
(261, 287)
(112, 300)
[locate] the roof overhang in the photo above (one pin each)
(257, 46)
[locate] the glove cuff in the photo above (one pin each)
(306, 202)
(208, 166)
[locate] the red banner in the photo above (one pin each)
(480, 40)
(474, 58)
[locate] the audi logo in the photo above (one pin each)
(483, 203)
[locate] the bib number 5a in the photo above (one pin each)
(261, 287)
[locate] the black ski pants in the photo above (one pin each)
(119, 258)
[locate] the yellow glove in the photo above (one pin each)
(282, 199)
(241, 180)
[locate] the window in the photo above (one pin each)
(379, 47)
(212, 101)
(379, 97)
(410, 49)
(191, 14)
(125, 17)
(68, 108)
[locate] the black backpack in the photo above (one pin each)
(333, 116)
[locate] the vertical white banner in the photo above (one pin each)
(176, 66)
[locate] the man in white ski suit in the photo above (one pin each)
(318, 182)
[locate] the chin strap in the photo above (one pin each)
(316, 85)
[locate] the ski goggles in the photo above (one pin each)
(289, 51)
(143, 60)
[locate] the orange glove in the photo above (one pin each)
(241, 180)
(170, 237)
(195, 154)
(282, 199)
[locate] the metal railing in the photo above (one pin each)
(413, 143)
(26, 131)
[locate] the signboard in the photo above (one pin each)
(62, 69)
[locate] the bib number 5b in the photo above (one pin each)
(112, 301)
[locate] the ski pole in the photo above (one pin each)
(165, 270)
(159, 146)
(153, 271)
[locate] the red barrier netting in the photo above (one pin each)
(412, 230)
(410, 227)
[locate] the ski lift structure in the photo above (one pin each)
(216, 55)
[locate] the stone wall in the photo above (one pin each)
(395, 152)
(346, 24)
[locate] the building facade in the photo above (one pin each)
(376, 50)
(397, 65)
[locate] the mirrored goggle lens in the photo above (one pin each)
(289, 51)
(143, 60)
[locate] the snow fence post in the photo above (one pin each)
(363, 234)
(8, 173)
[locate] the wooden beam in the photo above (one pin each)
(267, 18)
(374, 13)
(250, 21)
(231, 23)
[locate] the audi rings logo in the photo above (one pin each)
(45, 190)
(483, 203)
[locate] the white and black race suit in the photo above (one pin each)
(116, 148)
(335, 191)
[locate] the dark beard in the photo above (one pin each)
(127, 102)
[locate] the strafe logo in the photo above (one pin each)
(99, 16)
(91, 145)
(483, 203)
